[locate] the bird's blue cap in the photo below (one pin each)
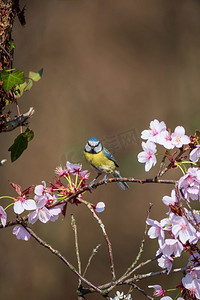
(93, 139)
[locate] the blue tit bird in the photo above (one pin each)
(102, 160)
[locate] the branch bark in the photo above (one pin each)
(18, 121)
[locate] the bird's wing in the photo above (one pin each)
(110, 156)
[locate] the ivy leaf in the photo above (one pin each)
(21, 88)
(36, 76)
(29, 85)
(20, 144)
(12, 45)
(29, 134)
(11, 79)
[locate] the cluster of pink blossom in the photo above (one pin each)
(158, 134)
(176, 234)
(189, 184)
(45, 203)
(179, 232)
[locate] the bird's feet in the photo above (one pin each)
(90, 186)
(104, 179)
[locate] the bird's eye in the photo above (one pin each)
(93, 144)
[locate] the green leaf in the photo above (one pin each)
(7, 102)
(20, 144)
(11, 79)
(21, 88)
(12, 45)
(29, 85)
(36, 76)
(29, 134)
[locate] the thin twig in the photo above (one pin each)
(171, 164)
(10, 57)
(144, 263)
(94, 252)
(107, 241)
(59, 255)
(19, 115)
(141, 290)
(162, 164)
(74, 227)
(139, 277)
(10, 223)
(130, 270)
(123, 278)
(141, 246)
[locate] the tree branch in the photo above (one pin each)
(112, 180)
(74, 227)
(59, 255)
(18, 121)
(107, 241)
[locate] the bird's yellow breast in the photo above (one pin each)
(100, 161)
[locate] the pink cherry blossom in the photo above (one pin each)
(195, 272)
(156, 231)
(3, 216)
(21, 233)
(55, 212)
(24, 204)
(158, 290)
(40, 189)
(193, 285)
(153, 133)
(165, 262)
(170, 200)
(165, 139)
(43, 214)
(148, 155)
(189, 184)
(183, 229)
(73, 168)
(166, 224)
(172, 246)
(195, 154)
(179, 138)
(60, 171)
(84, 175)
(43, 197)
(194, 260)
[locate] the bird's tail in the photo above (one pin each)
(122, 185)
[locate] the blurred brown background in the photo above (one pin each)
(110, 67)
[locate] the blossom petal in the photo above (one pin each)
(39, 189)
(18, 207)
(21, 233)
(33, 217)
(29, 204)
(3, 216)
(100, 207)
(44, 215)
